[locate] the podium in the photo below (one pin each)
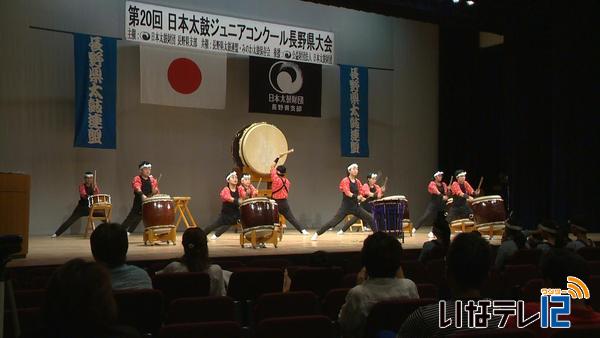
(14, 206)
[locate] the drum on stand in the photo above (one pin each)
(388, 213)
(257, 145)
(99, 200)
(257, 219)
(158, 213)
(489, 214)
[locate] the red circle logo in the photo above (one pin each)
(184, 75)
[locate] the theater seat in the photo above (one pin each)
(202, 330)
(180, 285)
(389, 315)
(296, 303)
(295, 327)
(200, 310)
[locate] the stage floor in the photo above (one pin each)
(44, 250)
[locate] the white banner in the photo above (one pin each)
(217, 33)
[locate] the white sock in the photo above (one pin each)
(341, 232)
(314, 237)
(304, 232)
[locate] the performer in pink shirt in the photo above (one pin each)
(370, 191)
(231, 196)
(350, 187)
(86, 188)
(462, 192)
(144, 185)
(280, 187)
(434, 213)
(249, 189)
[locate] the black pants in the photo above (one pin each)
(353, 219)
(284, 209)
(134, 217)
(81, 210)
(344, 211)
(430, 217)
(459, 212)
(222, 224)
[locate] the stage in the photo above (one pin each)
(44, 250)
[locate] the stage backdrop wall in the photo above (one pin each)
(191, 147)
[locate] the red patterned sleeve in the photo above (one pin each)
(456, 189)
(136, 184)
(226, 195)
(82, 191)
(378, 192)
(432, 188)
(469, 188)
(345, 186)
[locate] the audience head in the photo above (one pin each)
(515, 233)
(467, 262)
(109, 244)
(579, 226)
(557, 264)
(195, 249)
(552, 233)
(79, 300)
(381, 255)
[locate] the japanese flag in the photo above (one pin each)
(182, 77)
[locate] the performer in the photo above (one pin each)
(351, 197)
(462, 192)
(434, 213)
(86, 188)
(144, 185)
(231, 196)
(280, 187)
(370, 191)
(579, 228)
(249, 190)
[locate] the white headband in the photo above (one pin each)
(233, 173)
(353, 165)
(147, 165)
(246, 177)
(438, 173)
(464, 173)
(373, 176)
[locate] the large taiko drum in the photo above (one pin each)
(257, 216)
(158, 210)
(389, 213)
(257, 145)
(488, 209)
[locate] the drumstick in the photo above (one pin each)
(159, 177)
(286, 152)
(258, 184)
(94, 180)
(480, 182)
(384, 182)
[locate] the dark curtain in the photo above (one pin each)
(526, 114)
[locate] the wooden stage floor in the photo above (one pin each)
(44, 250)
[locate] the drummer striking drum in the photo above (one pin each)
(86, 189)
(249, 189)
(434, 213)
(231, 196)
(350, 187)
(370, 191)
(280, 187)
(463, 192)
(144, 185)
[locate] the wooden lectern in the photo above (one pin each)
(14, 206)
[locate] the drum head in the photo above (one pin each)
(254, 200)
(260, 144)
(392, 198)
(487, 199)
(158, 198)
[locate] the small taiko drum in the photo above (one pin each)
(488, 209)
(158, 210)
(99, 200)
(389, 213)
(257, 145)
(257, 215)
